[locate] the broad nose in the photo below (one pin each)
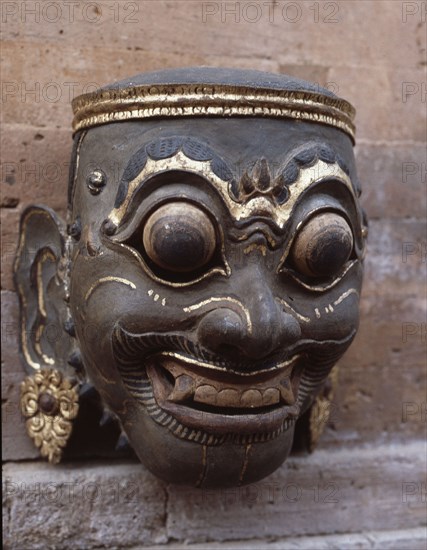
(255, 328)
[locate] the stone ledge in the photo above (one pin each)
(332, 492)
(406, 539)
(81, 505)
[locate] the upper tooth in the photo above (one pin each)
(270, 396)
(228, 398)
(206, 394)
(286, 392)
(184, 388)
(251, 398)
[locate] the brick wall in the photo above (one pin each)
(371, 53)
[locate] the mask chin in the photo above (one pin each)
(184, 462)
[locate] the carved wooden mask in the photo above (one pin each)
(210, 275)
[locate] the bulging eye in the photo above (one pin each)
(323, 245)
(179, 237)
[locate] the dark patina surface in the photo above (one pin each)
(210, 275)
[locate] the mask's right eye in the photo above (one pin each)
(179, 237)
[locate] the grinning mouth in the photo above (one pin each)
(202, 396)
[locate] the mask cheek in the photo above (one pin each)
(332, 321)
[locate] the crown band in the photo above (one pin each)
(189, 100)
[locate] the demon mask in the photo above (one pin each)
(209, 275)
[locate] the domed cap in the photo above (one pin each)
(212, 92)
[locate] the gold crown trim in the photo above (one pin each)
(160, 101)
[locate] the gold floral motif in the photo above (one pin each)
(49, 401)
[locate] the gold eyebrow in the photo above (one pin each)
(177, 162)
(259, 205)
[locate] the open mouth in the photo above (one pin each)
(204, 399)
(202, 395)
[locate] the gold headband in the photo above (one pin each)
(218, 100)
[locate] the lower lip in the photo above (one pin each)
(219, 423)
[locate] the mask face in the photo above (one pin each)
(214, 284)
(214, 274)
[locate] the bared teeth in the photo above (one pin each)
(206, 394)
(184, 388)
(215, 393)
(286, 392)
(251, 398)
(270, 396)
(228, 398)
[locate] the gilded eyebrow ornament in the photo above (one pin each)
(202, 289)
(257, 192)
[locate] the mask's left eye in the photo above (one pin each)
(322, 246)
(179, 237)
